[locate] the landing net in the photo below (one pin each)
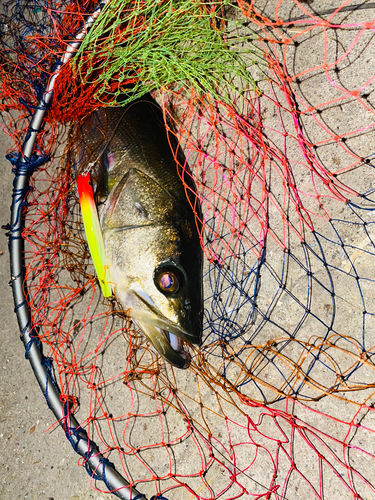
(278, 401)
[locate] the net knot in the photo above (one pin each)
(88, 454)
(23, 165)
(103, 462)
(69, 402)
(33, 338)
(47, 362)
(75, 432)
(42, 105)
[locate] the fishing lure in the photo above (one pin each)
(93, 231)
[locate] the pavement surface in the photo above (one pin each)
(39, 464)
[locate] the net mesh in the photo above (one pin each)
(278, 402)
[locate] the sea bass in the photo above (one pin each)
(151, 242)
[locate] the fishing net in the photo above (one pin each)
(278, 402)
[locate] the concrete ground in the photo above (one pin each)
(40, 465)
(28, 453)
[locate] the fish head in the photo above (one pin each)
(155, 264)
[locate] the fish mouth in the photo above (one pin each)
(164, 334)
(167, 345)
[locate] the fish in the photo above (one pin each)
(151, 240)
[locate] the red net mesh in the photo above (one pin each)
(278, 400)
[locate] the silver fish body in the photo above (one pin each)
(152, 246)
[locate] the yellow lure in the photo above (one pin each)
(93, 231)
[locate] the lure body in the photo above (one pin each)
(93, 231)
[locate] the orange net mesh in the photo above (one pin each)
(278, 400)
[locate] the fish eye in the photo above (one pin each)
(169, 279)
(168, 282)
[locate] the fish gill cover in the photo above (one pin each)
(278, 400)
